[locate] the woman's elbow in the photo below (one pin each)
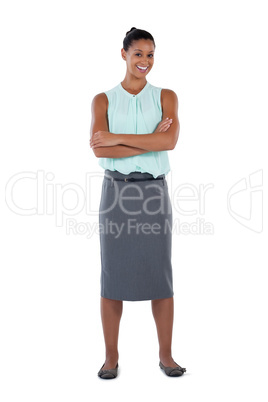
(174, 140)
(172, 144)
(97, 152)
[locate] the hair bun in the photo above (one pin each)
(132, 29)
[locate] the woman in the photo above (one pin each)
(133, 126)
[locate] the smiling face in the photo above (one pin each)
(139, 57)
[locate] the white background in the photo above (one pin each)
(55, 57)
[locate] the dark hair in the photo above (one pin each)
(136, 34)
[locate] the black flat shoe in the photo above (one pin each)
(173, 371)
(109, 373)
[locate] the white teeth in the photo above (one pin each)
(143, 68)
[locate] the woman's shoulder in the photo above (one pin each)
(168, 92)
(104, 96)
(100, 99)
(168, 95)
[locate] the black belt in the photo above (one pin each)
(133, 179)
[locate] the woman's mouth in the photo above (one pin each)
(142, 69)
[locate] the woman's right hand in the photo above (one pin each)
(163, 125)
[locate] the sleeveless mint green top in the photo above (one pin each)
(136, 114)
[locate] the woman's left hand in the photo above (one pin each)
(104, 139)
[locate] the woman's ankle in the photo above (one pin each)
(112, 355)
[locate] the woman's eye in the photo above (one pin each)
(138, 54)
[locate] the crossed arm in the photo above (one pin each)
(108, 145)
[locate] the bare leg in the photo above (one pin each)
(163, 312)
(111, 312)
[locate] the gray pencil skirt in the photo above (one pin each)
(135, 226)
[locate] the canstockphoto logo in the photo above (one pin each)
(245, 201)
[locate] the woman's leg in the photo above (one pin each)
(163, 312)
(111, 312)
